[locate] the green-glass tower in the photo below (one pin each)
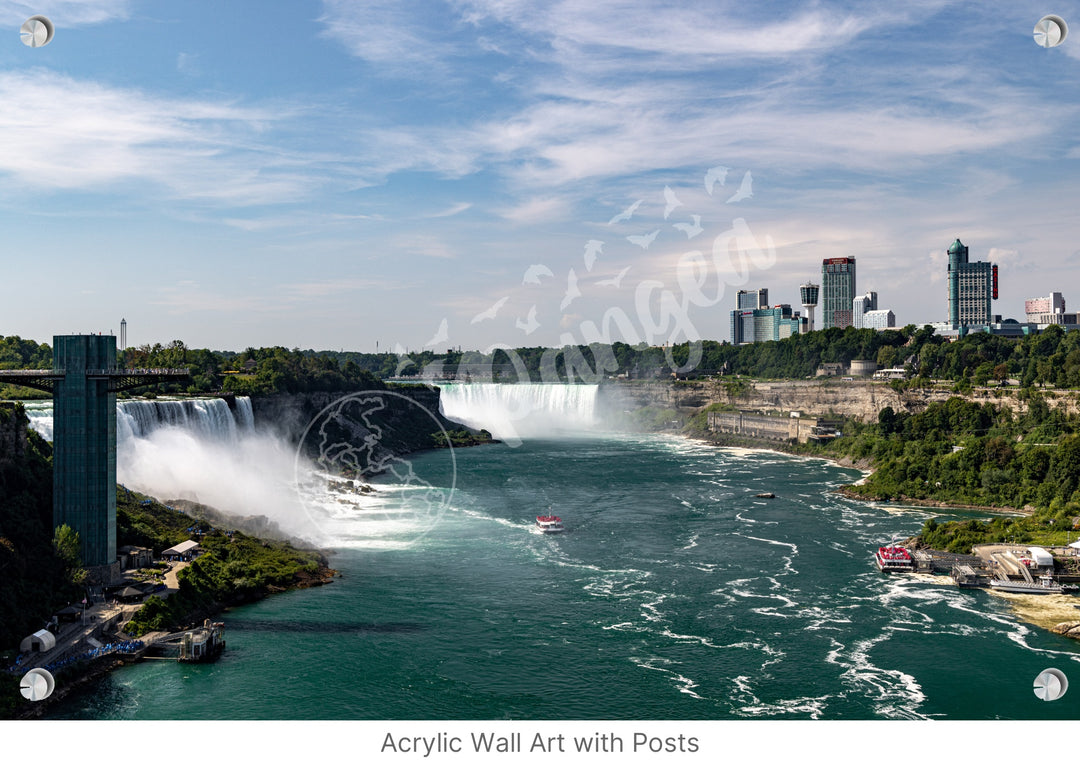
(972, 286)
(84, 443)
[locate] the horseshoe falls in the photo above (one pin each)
(524, 410)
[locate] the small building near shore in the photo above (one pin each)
(132, 557)
(1041, 558)
(42, 640)
(182, 551)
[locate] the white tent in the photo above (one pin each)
(42, 640)
(1043, 558)
(180, 550)
(1075, 545)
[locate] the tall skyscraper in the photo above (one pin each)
(860, 305)
(837, 291)
(972, 284)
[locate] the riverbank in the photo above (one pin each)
(83, 675)
(1059, 614)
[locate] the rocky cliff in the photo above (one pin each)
(13, 429)
(862, 399)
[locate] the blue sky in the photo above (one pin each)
(362, 175)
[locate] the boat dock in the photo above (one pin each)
(200, 644)
(1002, 566)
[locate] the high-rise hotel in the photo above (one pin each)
(972, 284)
(837, 291)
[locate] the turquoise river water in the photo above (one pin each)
(673, 594)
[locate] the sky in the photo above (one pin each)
(399, 176)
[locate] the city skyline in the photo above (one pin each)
(345, 176)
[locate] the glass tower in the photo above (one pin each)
(837, 291)
(971, 287)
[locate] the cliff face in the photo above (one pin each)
(862, 399)
(376, 426)
(13, 427)
(292, 413)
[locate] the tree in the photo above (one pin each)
(66, 545)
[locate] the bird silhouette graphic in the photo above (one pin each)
(714, 176)
(690, 229)
(626, 214)
(745, 191)
(643, 240)
(593, 248)
(492, 311)
(614, 281)
(671, 201)
(572, 291)
(534, 273)
(442, 335)
(529, 325)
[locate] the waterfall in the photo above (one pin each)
(206, 418)
(513, 412)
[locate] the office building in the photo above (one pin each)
(837, 291)
(764, 325)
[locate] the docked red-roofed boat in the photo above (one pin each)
(894, 558)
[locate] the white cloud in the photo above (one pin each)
(61, 133)
(537, 210)
(64, 13)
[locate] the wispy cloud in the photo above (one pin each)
(67, 12)
(536, 210)
(63, 133)
(453, 210)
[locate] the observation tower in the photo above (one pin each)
(84, 381)
(808, 294)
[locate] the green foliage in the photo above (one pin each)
(962, 452)
(66, 546)
(233, 569)
(460, 437)
(33, 582)
(1049, 526)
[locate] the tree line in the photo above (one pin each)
(1048, 358)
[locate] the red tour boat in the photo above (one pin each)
(549, 523)
(894, 558)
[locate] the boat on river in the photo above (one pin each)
(891, 559)
(549, 523)
(1044, 586)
